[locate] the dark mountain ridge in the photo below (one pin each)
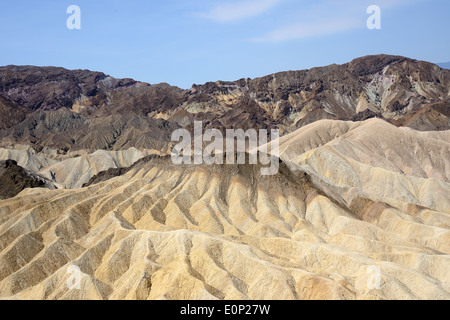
(400, 90)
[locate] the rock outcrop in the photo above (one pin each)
(14, 179)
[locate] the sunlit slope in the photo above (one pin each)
(225, 232)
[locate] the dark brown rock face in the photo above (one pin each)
(78, 109)
(389, 87)
(51, 88)
(14, 179)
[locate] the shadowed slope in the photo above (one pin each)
(14, 179)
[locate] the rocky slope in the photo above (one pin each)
(398, 89)
(73, 173)
(67, 131)
(343, 202)
(54, 107)
(14, 179)
(90, 195)
(73, 170)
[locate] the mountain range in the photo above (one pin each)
(71, 110)
(87, 183)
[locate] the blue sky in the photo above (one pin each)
(183, 42)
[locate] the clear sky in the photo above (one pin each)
(183, 42)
